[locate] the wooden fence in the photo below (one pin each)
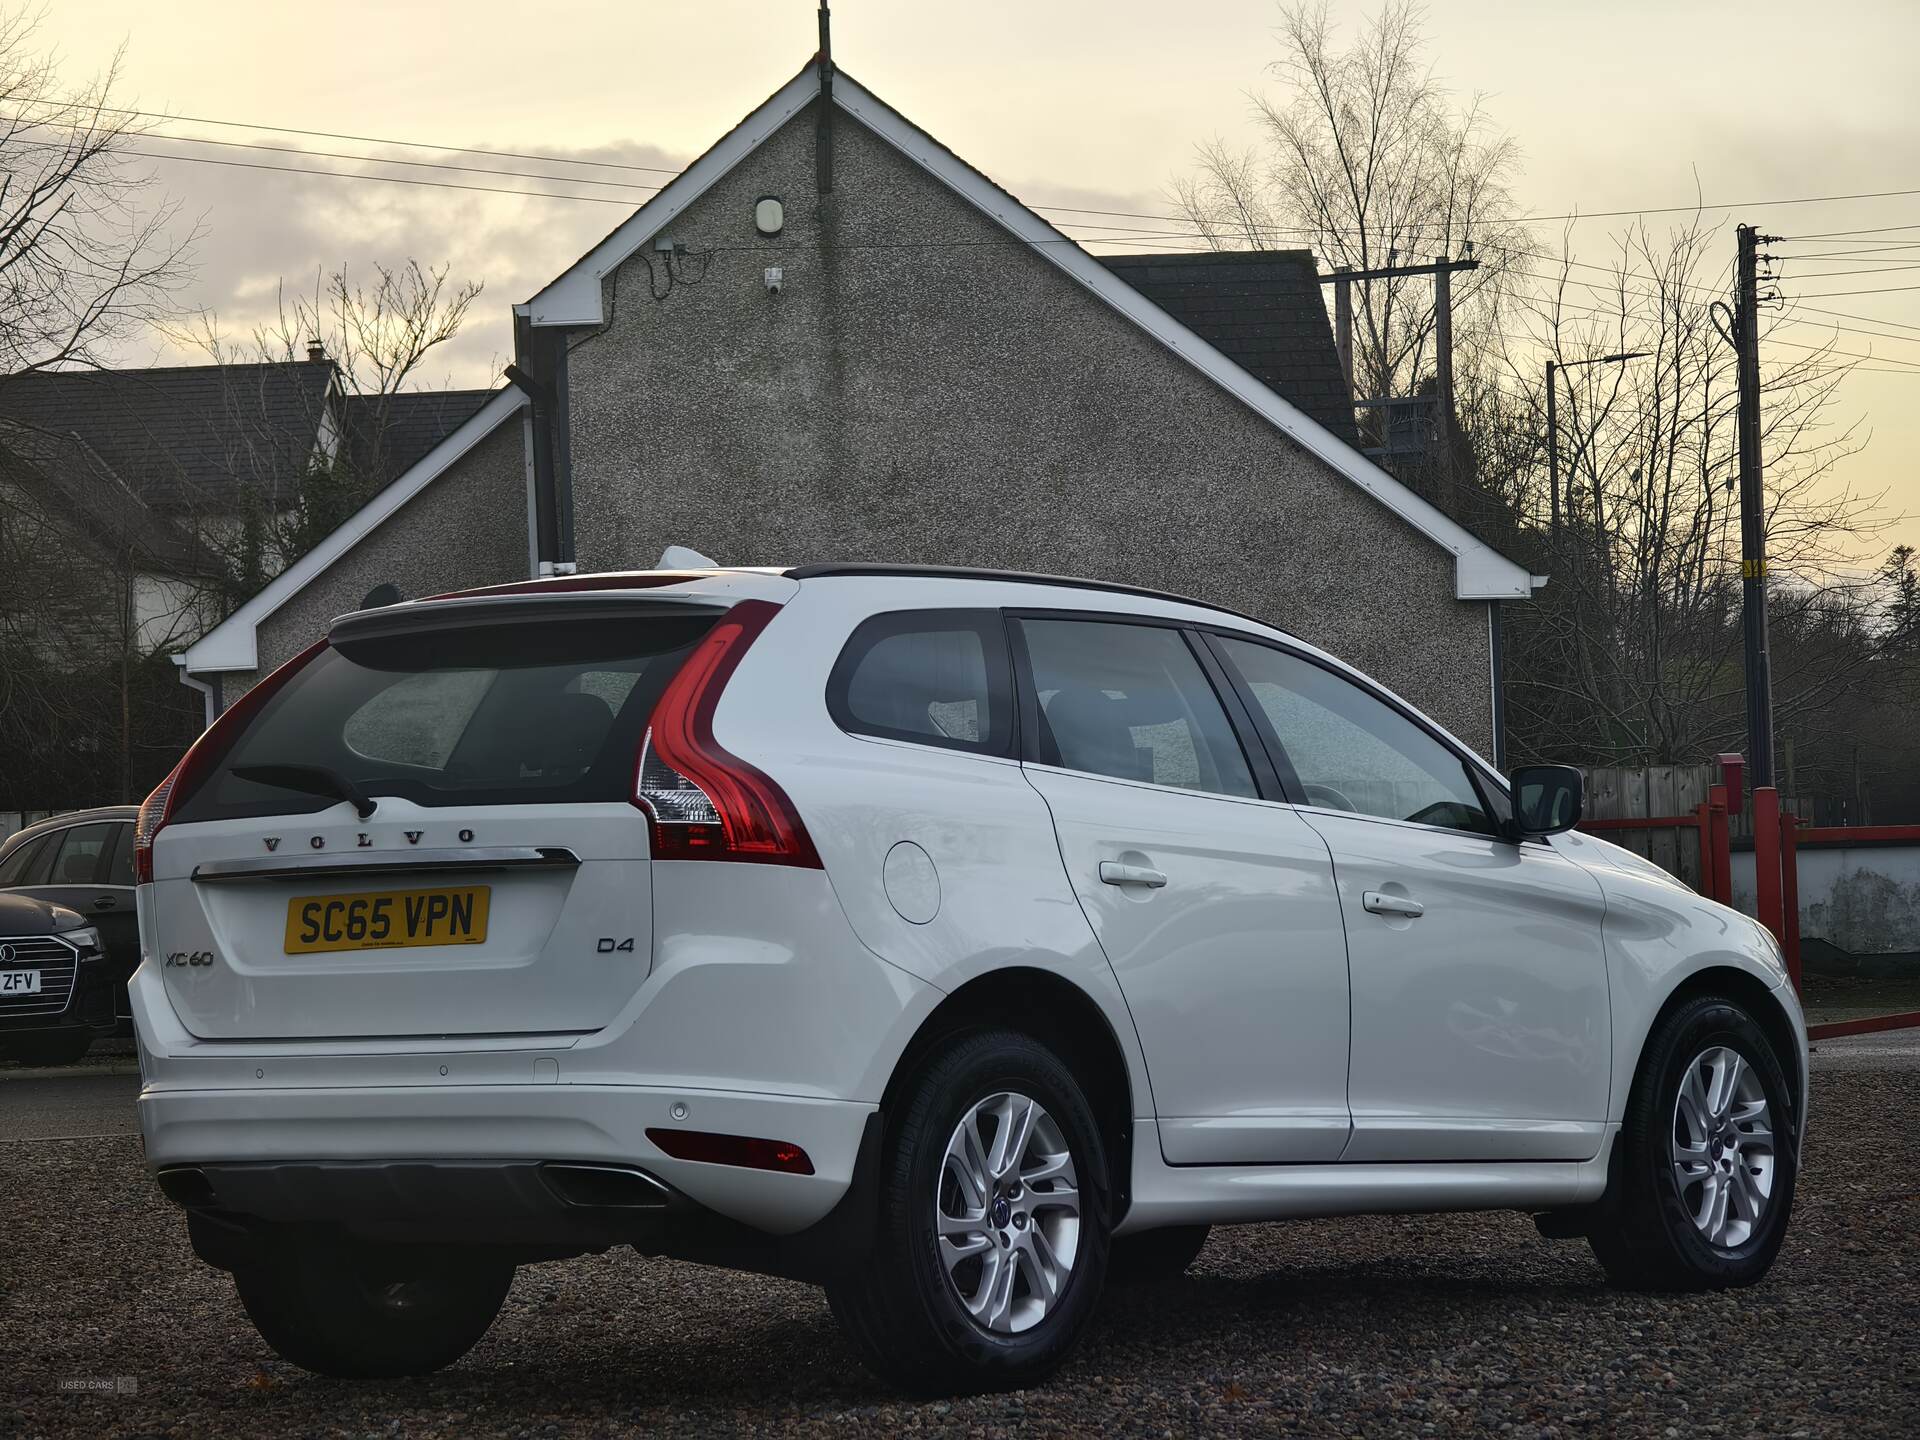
(1616, 792)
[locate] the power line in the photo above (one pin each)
(384, 179)
(360, 159)
(1881, 290)
(369, 139)
(1063, 209)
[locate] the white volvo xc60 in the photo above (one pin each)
(960, 941)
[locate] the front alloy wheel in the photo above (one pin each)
(1703, 1170)
(1009, 1212)
(1723, 1156)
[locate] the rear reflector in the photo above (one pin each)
(742, 1150)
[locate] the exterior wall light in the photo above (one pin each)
(769, 215)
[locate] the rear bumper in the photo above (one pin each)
(454, 1124)
(240, 1214)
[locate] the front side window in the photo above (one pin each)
(933, 677)
(1351, 750)
(77, 861)
(1131, 701)
(19, 867)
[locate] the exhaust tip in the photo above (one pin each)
(187, 1187)
(604, 1187)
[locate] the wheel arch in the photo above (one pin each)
(1760, 1001)
(1063, 1017)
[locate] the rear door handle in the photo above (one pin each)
(104, 902)
(1378, 902)
(1112, 872)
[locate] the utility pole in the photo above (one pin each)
(1343, 325)
(1753, 520)
(1553, 449)
(1554, 367)
(1442, 271)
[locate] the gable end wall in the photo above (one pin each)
(924, 390)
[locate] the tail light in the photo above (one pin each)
(703, 802)
(203, 757)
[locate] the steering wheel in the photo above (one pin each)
(1328, 798)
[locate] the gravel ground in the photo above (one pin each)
(1418, 1326)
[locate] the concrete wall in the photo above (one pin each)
(923, 389)
(1861, 899)
(468, 527)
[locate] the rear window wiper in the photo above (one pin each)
(312, 779)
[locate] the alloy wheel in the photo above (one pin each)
(1722, 1147)
(1007, 1212)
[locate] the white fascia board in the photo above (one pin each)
(1480, 572)
(575, 298)
(230, 644)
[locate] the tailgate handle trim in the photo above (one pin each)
(385, 862)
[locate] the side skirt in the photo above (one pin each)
(1242, 1194)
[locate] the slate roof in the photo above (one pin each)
(386, 434)
(189, 437)
(1261, 309)
(66, 477)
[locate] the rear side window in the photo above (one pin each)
(120, 867)
(934, 677)
(532, 711)
(1131, 701)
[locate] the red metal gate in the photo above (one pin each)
(1776, 839)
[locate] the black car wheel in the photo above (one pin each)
(992, 1241)
(1154, 1257)
(1705, 1164)
(371, 1312)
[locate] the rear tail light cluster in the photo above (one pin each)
(702, 801)
(203, 757)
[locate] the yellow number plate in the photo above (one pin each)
(382, 921)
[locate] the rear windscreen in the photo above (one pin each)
(534, 711)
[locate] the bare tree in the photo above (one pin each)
(88, 258)
(1632, 654)
(1369, 160)
(376, 338)
(378, 335)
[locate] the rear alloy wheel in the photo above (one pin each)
(367, 1312)
(992, 1243)
(1704, 1167)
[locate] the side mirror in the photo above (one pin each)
(1546, 800)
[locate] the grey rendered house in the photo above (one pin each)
(897, 360)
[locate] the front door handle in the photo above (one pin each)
(1401, 907)
(1112, 872)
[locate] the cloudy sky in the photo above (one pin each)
(1616, 104)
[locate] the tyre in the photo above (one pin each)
(365, 1312)
(991, 1245)
(1154, 1257)
(59, 1047)
(1704, 1167)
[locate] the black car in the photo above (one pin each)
(83, 860)
(56, 992)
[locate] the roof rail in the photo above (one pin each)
(1018, 577)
